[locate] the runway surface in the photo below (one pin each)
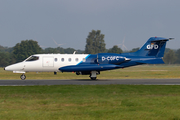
(91, 82)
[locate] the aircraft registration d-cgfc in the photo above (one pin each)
(151, 52)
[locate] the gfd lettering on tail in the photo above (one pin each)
(150, 47)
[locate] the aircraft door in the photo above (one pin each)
(48, 62)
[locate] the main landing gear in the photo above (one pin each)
(93, 75)
(23, 77)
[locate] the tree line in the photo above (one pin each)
(94, 44)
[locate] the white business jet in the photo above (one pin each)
(151, 52)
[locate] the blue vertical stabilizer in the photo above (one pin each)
(155, 46)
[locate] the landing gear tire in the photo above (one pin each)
(93, 78)
(23, 77)
(93, 75)
(78, 73)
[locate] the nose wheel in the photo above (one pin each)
(23, 77)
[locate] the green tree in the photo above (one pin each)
(69, 50)
(60, 50)
(50, 50)
(134, 49)
(4, 59)
(115, 49)
(178, 56)
(80, 51)
(95, 43)
(25, 49)
(169, 57)
(6, 49)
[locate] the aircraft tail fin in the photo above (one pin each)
(155, 46)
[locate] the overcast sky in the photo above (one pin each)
(69, 22)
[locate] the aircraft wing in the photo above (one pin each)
(90, 67)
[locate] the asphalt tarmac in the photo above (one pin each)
(91, 82)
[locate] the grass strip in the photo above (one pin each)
(90, 102)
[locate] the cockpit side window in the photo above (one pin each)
(33, 58)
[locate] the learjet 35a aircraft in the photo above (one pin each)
(151, 52)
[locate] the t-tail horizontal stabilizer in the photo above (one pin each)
(155, 46)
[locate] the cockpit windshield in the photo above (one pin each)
(33, 58)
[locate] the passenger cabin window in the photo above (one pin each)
(69, 59)
(55, 59)
(77, 59)
(62, 59)
(33, 58)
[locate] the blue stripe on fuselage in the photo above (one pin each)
(85, 59)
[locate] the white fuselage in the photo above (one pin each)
(46, 62)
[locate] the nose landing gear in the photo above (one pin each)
(23, 77)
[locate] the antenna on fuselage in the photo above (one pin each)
(74, 52)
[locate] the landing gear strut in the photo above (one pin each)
(93, 75)
(23, 77)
